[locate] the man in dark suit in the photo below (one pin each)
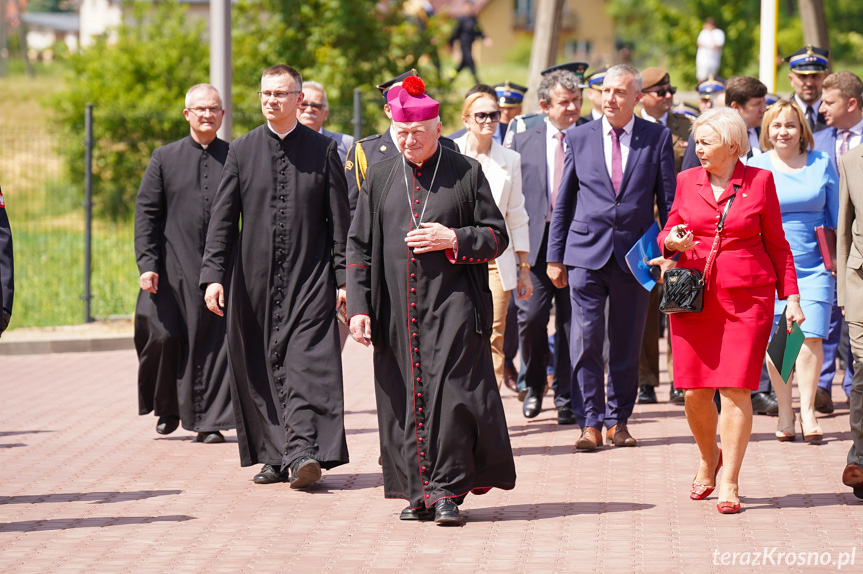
(542, 151)
(314, 110)
(842, 96)
(809, 66)
(617, 169)
(656, 102)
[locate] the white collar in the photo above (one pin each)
(663, 119)
(282, 135)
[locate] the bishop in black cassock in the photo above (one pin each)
(183, 359)
(418, 291)
(282, 270)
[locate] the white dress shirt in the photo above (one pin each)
(753, 142)
(625, 138)
(594, 113)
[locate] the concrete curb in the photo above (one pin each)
(67, 345)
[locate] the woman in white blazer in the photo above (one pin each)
(502, 168)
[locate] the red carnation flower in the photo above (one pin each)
(414, 86)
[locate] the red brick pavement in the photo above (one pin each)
(88, 486)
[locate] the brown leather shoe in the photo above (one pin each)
(853, 476)
(618, 435)
(590, 439)
(510, 379)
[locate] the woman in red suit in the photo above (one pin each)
(723, 346)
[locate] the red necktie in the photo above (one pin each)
(616, 160)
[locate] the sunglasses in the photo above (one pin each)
(481, 117)
(662, 91)
(305, 105)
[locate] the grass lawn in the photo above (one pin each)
(47, 220)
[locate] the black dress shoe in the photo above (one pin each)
(417, 514)
(270, 474)
(764, 403)
(823, 401)
(167, 424)
(676, 396)
(565, 416)
(646, 395)
(532, 404)
(305, 472)
(212, 437)
(446, 512)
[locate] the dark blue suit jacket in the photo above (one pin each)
(589, 222)
(531, 145)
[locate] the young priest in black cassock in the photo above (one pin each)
(183, 358)
(285, 267)
(425, 227)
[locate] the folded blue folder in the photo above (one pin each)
(645, 250)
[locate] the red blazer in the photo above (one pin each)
(752, 248)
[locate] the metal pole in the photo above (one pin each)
(220, 59)
(88, 208)
(358, 114)
(767, 51)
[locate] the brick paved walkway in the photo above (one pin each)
(88, 486)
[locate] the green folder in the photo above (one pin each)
(784, 346)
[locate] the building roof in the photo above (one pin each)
(58, 21)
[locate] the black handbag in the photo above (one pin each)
(684, 288)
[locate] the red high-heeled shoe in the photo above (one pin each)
(700, 491)
(728, 507)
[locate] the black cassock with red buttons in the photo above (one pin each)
(442, 426)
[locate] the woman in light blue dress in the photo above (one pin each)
(808, 190)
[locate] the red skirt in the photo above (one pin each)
(724, 345)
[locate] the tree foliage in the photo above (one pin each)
(136, 85)
(664, 31)
(137, 76)
(342, 44)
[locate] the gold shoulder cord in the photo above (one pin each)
(362, 164)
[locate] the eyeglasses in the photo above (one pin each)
(203, 111)
(304, 105)
(481, 117)
(662, 91)
(276, 95)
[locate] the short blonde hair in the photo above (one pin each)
(807, 142)
(728, 124)
(471, 99)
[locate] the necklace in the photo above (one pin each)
(418, 223)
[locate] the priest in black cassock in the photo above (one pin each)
(284, 272)
(183, 358)
(425, 227)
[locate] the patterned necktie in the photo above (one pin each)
(616, 160)
(558, 169)
(844, 145)
(810, 117)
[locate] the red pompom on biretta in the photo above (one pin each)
(414, 86)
